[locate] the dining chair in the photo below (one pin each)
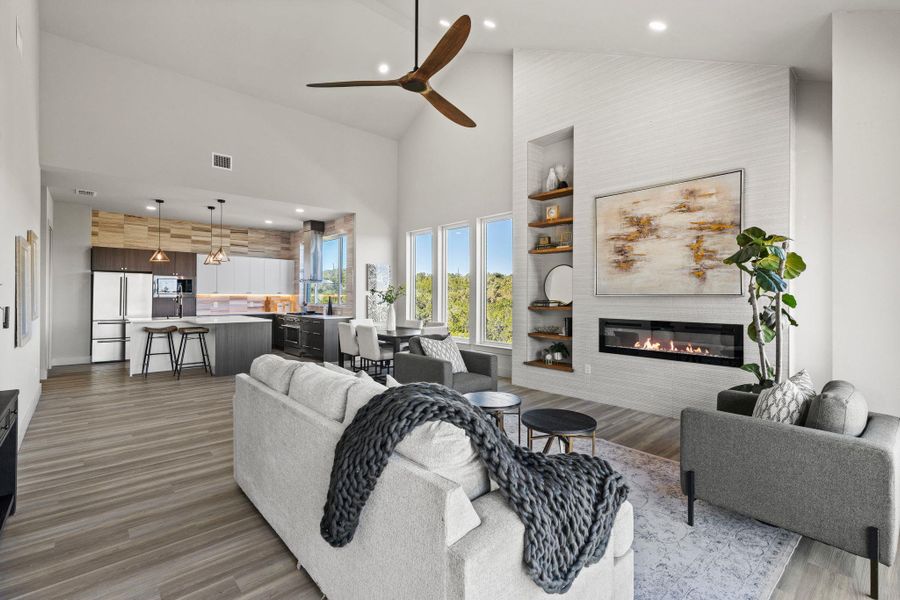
(373, 354)
(349, 347)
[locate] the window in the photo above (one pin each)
(334, 273)
(497, 280)
(456, 290)
(420, 286)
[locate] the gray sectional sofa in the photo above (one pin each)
(838, 488)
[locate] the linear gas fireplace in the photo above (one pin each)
(709, 343)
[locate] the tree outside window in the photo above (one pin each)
(497, 278)
(457, 280)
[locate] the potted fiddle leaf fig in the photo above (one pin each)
(770, 265)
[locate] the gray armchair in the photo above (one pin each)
(839, 489)
(414, 366)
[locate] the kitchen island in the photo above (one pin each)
(233, 342)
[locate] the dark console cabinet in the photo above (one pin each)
(9, 439)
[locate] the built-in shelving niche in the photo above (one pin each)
(543, 153)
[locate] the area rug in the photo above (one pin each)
(725, 556)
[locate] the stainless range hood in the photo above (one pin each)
(313, 239)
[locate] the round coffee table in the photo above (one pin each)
(498, 404)
(564, 425)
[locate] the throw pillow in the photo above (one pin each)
(786, 402)
(274, 371)
(840, 408)
(445, 349)
(391, 382)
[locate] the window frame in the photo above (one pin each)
(482, 272)
(443, 280)
(313, 288)
(411, 273)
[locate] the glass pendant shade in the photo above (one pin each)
(159, 256)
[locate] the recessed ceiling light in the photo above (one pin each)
(300, 210)
(444, 23)
(657, 26)
(490, 24)
(383, 68)
(151, 208)
(268, 222)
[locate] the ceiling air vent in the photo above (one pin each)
(86, 193)
(221, 161)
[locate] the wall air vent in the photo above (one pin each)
(221, 161)
(85, 193)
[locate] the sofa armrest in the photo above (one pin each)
(415, 368)
(736, 402)
(482, 363)
(823, 485)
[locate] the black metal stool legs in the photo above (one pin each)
(200, 335)
(152, 334)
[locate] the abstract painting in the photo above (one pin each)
(23, 291)
(377, 277)
(670, 239)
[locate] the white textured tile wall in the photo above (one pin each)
(640, 121)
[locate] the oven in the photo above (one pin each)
(290, 327)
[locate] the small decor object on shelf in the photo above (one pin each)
(389, 296)
(559, 351)
(565, 238)
(544, 241)
(552, 182)
(562, 173)
(548, 358)
(552, 212)
(552, 329)
(567, 326)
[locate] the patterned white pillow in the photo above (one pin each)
(786, 402)
(445, 349)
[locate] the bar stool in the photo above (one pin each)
(153, 332)
(200, 334)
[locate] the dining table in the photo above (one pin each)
(398, 336)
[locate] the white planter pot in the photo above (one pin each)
(391, 324)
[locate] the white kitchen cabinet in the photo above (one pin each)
(207, 281)
(273, 275)
(257, 275)
(288, 277)
(242, 267)
(226, 279)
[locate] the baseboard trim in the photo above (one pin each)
(70, 360)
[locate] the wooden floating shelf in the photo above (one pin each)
(541, 196)
(565, 367)
(550, 308)
(550, 336)
(553, 223)
(557, 250)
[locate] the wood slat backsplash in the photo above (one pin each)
(117, 230)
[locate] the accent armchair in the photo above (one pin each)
(414, 366)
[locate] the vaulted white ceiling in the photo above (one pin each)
(271, 48)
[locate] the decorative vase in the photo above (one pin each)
(562, 173)
(557, 356)
(552, 181)
(330, 309)
(391, 324)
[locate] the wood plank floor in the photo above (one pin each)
(126, 491)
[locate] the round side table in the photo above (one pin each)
(560, 424)
(498, 404)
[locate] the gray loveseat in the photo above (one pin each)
(839, 489)
(414, 366)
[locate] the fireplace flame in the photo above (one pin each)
(651, 345)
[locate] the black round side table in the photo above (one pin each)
(498, 404)
(564, 425)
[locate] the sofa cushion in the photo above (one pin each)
(840, 408)
(415, 344)
(786, 402)
(445, 449)
(274, 371)
(359, 395)
(445, 349)
(321, 390)
(336, 369)
(472, 382)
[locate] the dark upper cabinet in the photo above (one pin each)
(137, 261)
(106, 259)
(186, 265)
(163, 269)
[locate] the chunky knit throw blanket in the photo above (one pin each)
(567, 502)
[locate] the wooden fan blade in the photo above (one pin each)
(341, 84)
(446, 49)
(447, 109)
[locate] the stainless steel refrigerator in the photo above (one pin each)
(116, 298)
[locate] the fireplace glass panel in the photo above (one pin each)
(711, 343)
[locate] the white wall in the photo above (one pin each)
(866, 242)
(106, 114)
(20, 191)
(450, 174)
(811, 341)
(71, 284)
(641, 121)
(46, 281)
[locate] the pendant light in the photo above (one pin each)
(159, 256)
(220, 255)
(211, 258)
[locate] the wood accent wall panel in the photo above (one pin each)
(117, 230)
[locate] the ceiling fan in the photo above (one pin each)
(417, 79)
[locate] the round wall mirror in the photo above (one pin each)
(558, 284)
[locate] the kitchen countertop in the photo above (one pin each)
(210, 320)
